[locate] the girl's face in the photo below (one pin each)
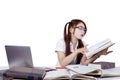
(79, 31)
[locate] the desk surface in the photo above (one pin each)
(110, 78)
(2, 69)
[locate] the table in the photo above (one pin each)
(110, 78)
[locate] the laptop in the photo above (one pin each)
(19, 56)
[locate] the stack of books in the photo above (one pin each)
(102, 65)
(81, 72)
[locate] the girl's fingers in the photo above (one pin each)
(86, 49)
(109, 52)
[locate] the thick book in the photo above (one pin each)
(102, 65)
(65, 74)
(25, 73)
(87, 70)
(106, 43)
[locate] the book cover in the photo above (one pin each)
(25, 73)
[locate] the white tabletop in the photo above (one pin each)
(110, 78)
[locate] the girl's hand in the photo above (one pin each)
(105, 52)
(82, 50)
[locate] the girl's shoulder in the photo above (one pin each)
(61, 41)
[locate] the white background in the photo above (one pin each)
(40, 23)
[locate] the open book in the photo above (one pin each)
(99, 47)
(65, 74)
(86, 70)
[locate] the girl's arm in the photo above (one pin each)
(65, 60)
(86, 61)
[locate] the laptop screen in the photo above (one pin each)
(19, 56)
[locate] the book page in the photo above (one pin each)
(98, 47)
(98, 66)
(57, 74)
(111, 72)
(100, 44)
(75, 75)
(81, 69)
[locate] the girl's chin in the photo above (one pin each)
(79, 37)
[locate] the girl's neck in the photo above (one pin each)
(74, 41)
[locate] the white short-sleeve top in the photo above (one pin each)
(60, 46)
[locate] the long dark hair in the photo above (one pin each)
(67, 38)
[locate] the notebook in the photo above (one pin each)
(19, 56)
